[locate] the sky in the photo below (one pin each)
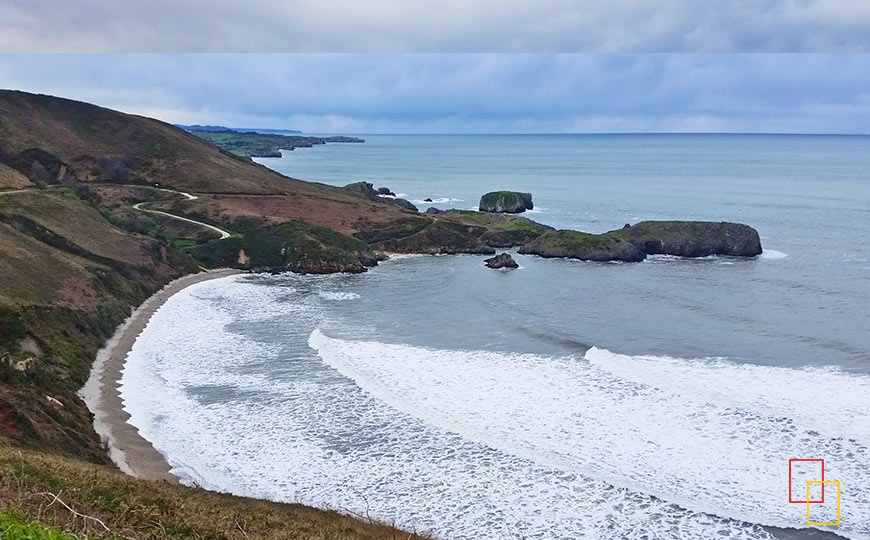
(468, 93)
(390, 26)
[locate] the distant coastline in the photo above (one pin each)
(262, 143)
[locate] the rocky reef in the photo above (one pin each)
(503, 260)
(510, 202)
(692, 238)
(583, 246)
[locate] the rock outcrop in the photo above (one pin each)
(583, 246)
(403, 204)
(510, 202)
(501, 261)
(368, 190)
(692, 238)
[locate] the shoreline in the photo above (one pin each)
(132, 454)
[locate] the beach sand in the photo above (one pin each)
(130, 452)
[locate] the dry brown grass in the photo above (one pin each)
(12, 179)
(137, 509)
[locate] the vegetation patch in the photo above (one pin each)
(14, 527)
(294, 245)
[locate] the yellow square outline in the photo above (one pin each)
(838, 500)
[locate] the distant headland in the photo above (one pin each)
(251, 143)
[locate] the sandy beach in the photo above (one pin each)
(130, 452)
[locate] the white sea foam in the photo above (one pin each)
(401, 256)
(710, 436)
(337, 295)
(479, 444)
(438, 200)
(773, 254)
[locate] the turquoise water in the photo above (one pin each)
(564, 399)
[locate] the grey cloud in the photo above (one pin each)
(469, 92)
(427, 26)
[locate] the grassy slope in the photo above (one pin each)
(69, 277)
(131, 508)
(12, 179)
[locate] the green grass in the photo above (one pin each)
(13, 527)
(183, 243)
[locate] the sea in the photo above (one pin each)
(564, 399)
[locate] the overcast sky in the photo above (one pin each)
(435, 26)
(469, 93)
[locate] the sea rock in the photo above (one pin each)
(433, 210)
(693, 238)
(583, 246)
(510, 202)
(385, 191)
(427, 199)
(501, 261)
(404, 204)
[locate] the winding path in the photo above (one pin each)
(138, 206)
(189, 197)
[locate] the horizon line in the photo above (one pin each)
(757, 133)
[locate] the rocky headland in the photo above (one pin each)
(511, 202)
(251, 144)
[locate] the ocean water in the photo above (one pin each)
(562, 400)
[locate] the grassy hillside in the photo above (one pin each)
(12, 179)
(118, 506)
(68, 278)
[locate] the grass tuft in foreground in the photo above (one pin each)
(13, 527)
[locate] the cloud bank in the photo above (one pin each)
(469, 93)
(427, 26)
